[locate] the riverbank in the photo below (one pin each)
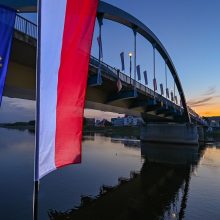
(108, 130)
(19, 125)
(113, 131)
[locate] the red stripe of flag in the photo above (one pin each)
(72, 79)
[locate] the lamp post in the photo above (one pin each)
(166, 77)
(130, 55)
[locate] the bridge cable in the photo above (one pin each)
(135, 55)
(154, 66)
(174, 91)
(166, 76)
(99, 39)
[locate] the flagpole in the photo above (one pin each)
(37, 117)
(35, 200)
(166, 75)
(130, 56)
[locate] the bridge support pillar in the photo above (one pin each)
(201, 133)
(170, 133)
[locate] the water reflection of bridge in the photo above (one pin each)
(159, 191)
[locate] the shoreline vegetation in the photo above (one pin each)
(88, 129)
(110, 130)
(19, 125)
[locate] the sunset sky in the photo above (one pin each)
(190, 32)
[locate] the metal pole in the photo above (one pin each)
(166, 76)
(100, 41)
(130, 68)
(135, 55)
(100, 21)
(154, 68)
(174, 89)
(36, 162)
(35, 200)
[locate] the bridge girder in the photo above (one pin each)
(115, 14)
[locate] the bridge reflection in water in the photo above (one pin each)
(158, 191)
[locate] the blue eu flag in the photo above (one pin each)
(7, 20)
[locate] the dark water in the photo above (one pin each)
(118, 179)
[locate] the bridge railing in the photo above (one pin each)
(25, 26)
(29, 28)
(197, 117)
(105, 68)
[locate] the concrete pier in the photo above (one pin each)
(170, 133)
(201, 133)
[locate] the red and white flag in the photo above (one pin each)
(139, 72)
(99, 40)
(119, 85)
(122, 56)
(145, 77)
(66, 32)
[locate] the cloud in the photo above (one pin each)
(206, 98)
(13, 110)
(211, 90)
(200, 101)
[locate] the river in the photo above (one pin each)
(119, 178)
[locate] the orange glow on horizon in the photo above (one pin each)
(208, 111)
(207, 104)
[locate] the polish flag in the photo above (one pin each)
(119, 85)
(139, 72)
(99, 40)
(66, 31)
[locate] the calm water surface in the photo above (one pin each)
(119, 178)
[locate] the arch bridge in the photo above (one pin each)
(134, 98)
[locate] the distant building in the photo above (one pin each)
(126, 121)
(214, 122)
(132, 121)
(97, 123)
(102, 123)
(117, 121)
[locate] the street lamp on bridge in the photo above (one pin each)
(130, 55)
